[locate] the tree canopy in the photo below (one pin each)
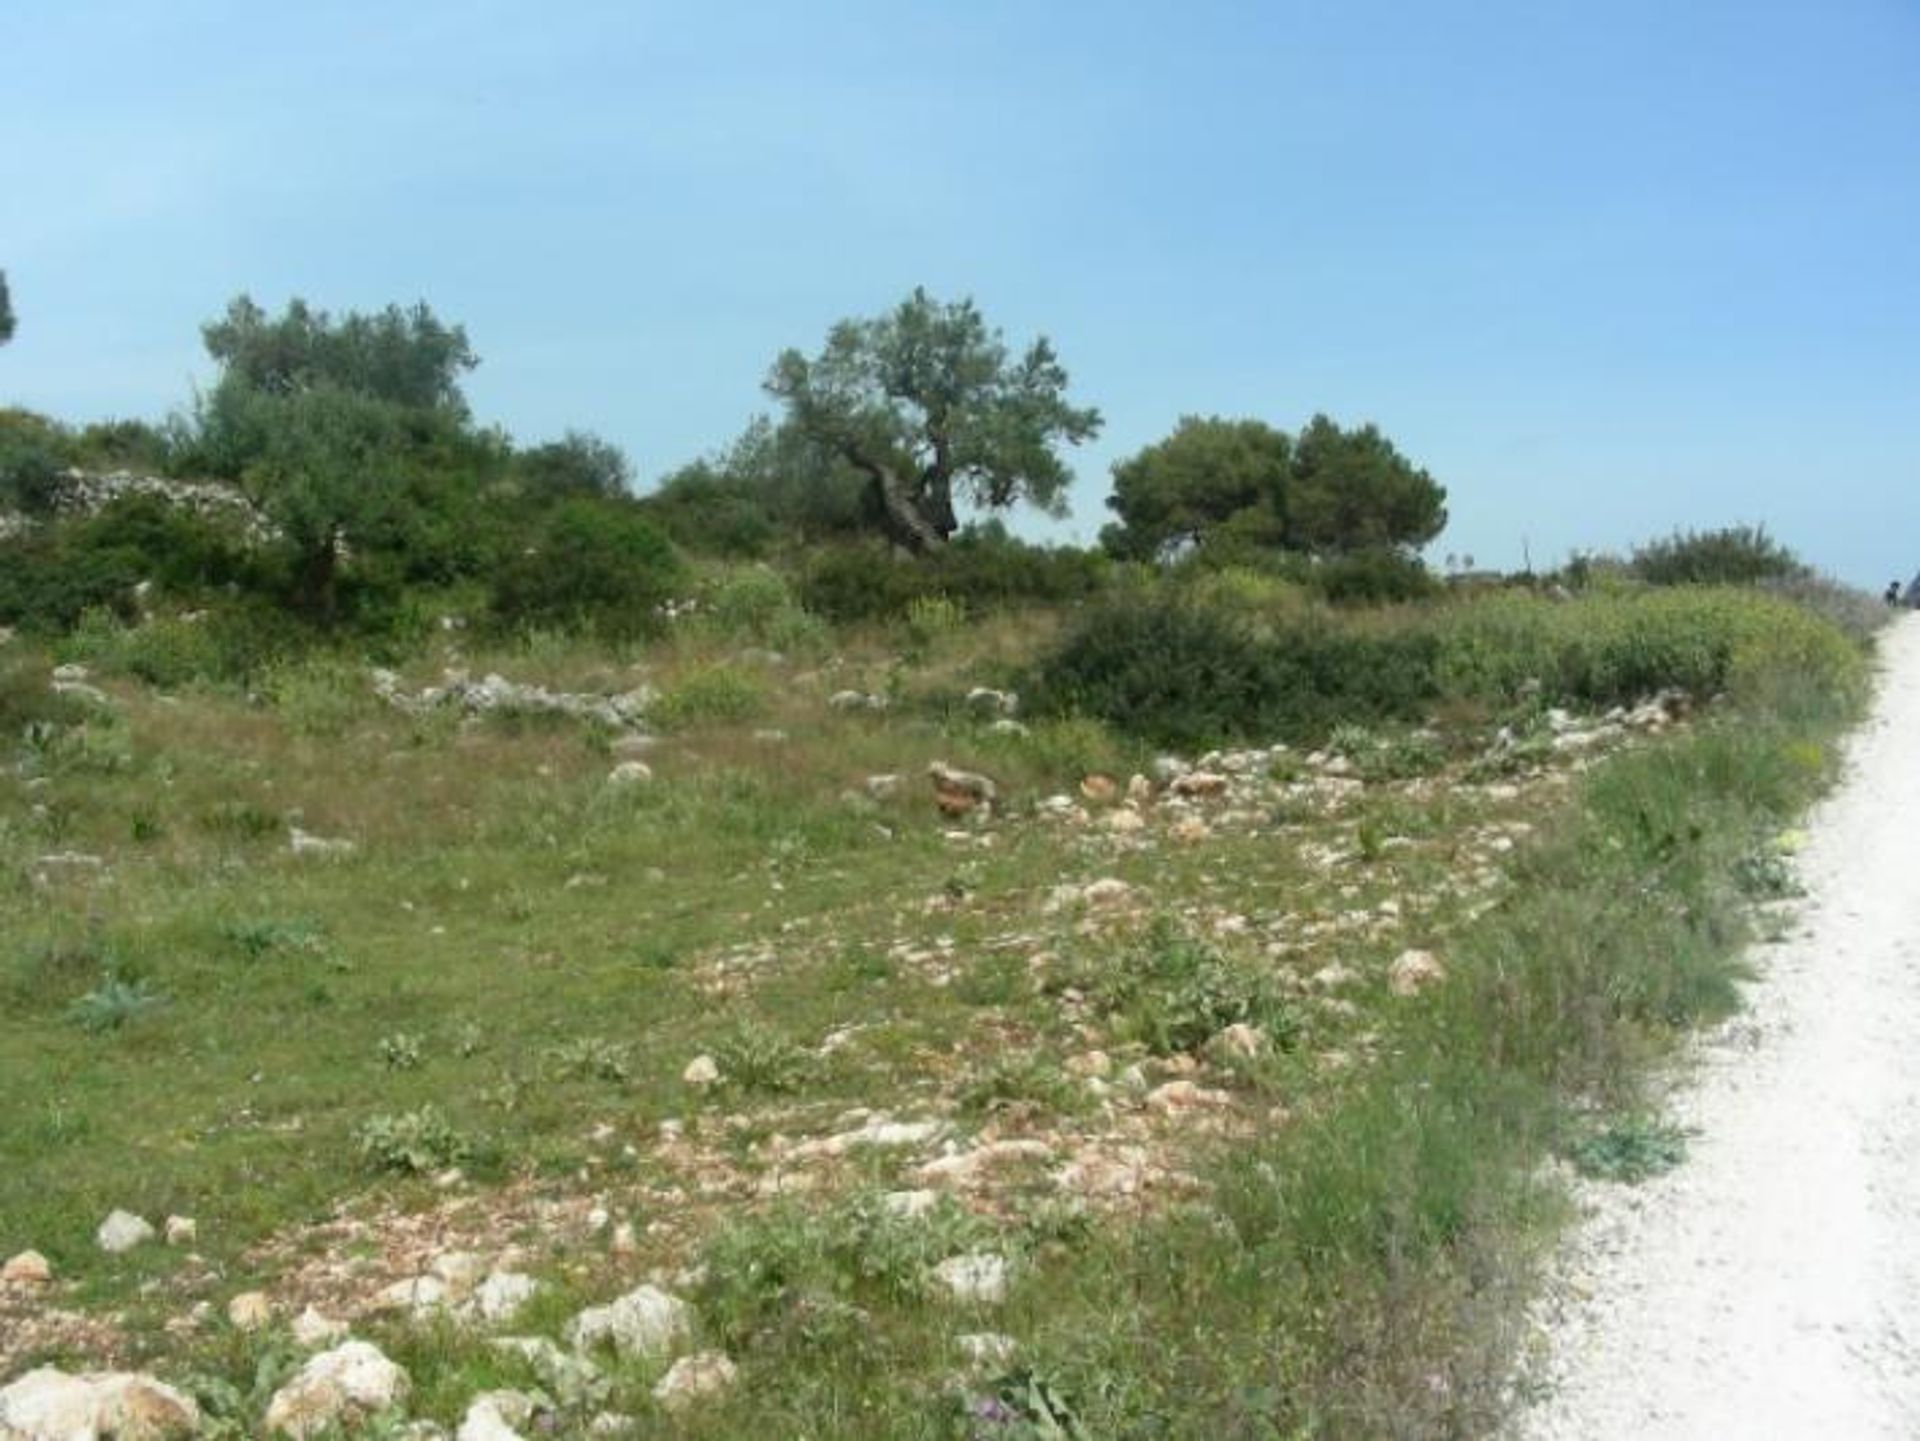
(1327, 491)
(6, 310)
(928, 405)
(1206, 473)
(406, 357)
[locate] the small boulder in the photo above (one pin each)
(630, 773)
(311, 1328)
(27, 1270)
(692, 1377)
(182, 1230)
(502, 1294)
(644, 1322)
(701, 1071)
(50, 1405)
(122, 1231)
(959, 792)
(337, 1388)
(987, 1348)
(1413, 971)
(498, 1416)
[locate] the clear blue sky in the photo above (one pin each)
(1604, 269)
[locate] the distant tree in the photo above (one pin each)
(1207, 473)
(1351, 490)
(928, 406)
(6, 310)
(406, 357)
(578, 464)
(1733, 555)
(1240, 486)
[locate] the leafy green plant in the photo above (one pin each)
(1630, 1150)
(1173, 992)
(759, 1058)
(593, 1058)
(401, 1051)
(114, 1004)
(412, 1142)
(723, 694)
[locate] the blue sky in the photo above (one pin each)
(1604, 269)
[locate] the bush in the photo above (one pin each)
(598, 565)
(714, 693)
(1737, 555)
(1182, 674)
(1373, 577)
(981, 570)
(412, 1143)
(1174, 993)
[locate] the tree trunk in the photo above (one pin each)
(906, 522)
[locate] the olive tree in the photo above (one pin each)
(930, 407)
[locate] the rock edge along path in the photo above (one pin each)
(1770, 1286)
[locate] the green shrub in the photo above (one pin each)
(598, 565)
(1373, 577)
(412, 1143)
(113, 1004)
(722, 694)
(1736, 555)
(1173, 992)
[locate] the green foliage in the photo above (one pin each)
(1173, 993)
(596, 565)
(33, 452)
(1351, 490)
(402, 357)
(713, 694)
(593, 1058)
(114, 1004)
(7, 321)
(771, 486)
(1241, 488)
(982, 568)
(756, 1057)
(1630, 1150)
(1735, 555)
(1208, 473)
(1373, 577)
(928, 406)
(578, 464)
(412, 1143)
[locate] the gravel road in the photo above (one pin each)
(1770, 1286)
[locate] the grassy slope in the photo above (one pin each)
(556, 951)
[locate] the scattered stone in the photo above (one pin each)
(575, 1382)
(1176, 1097)
(1198, 785)
(851, 700)
(461, 1271)
(630, 773)
(1240, 1040)
(1108, 891)
(502, 1294)
(1333, 977)
(1189, 830)
(1090, 1063)
(337, 1388)
(311, 1328)
(1139, 789)
(497, 1415)
(882, 787)
(182, 1230)
(985, 700)
(979, 1278)
(250, 1311)
(701, 1071)
(417, 1295)
(1413, 971)
(1125, 822)
(50, 1405)
(876, 1131)
(959, 792)
(624, 1242)
(1100, 789)
(967, 1166)
(304, 843)
(691, 1377)
(122, 1231)
(28, 1269)
(644, 1322)
(495, 693)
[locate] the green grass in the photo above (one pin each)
(511, 970)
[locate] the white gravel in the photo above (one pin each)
(1770, 1287)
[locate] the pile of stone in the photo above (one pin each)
(494, 694)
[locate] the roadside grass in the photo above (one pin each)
(510, 971)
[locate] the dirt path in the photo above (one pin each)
(1770, 1287)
